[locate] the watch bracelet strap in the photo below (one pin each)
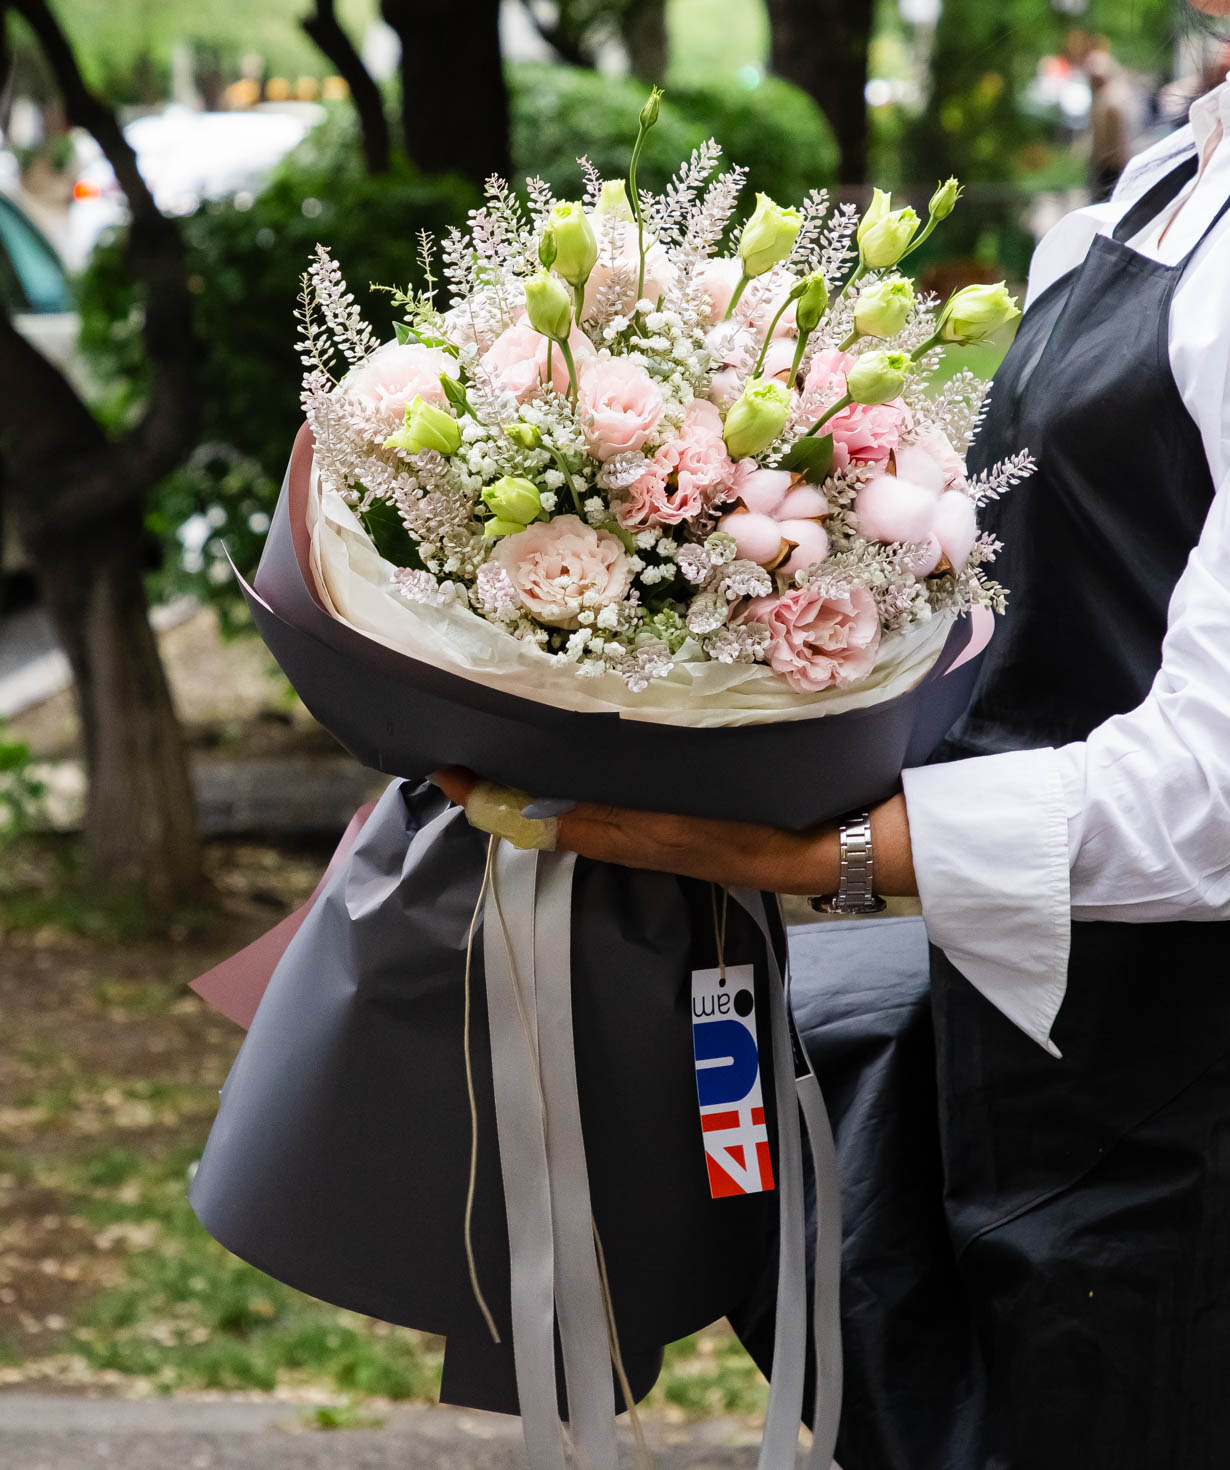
(856, 872)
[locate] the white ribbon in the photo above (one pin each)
(555, 1273)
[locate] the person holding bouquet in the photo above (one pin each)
(1072, 854)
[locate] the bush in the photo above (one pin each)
(776, 131)
(245, 264)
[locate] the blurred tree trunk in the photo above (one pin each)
(822, 46)
(452, 122)
(642, 24)
(326, 31)
(76, 501)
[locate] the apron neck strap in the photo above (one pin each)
(1151, 204)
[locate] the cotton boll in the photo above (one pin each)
(758, 537)
(811, 545)
(762, 491)
(892, 509)
(918, 465)
(956, 526)
(802, 504)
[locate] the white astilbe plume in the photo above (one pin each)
(706, 226)
(667, 216)
(542, 201)
(708, 612)
(837, 248)
(313, 343)
(805, 257)
(495, 593)
(993, 483)
(650, 661)
(352, 334)
(593, 181)
(957, 407)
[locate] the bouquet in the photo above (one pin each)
(646, 507)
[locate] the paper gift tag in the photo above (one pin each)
(727, 1057)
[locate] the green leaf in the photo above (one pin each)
(392, 540)
(403, 332)
(810, 457)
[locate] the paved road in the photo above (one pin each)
(53, 1432)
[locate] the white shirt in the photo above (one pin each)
(1132, 824)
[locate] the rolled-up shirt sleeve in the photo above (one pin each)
(990, 841)
(1131, 825)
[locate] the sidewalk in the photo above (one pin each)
(53, 1432)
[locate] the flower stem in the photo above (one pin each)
(850, 341)
(928, 231)
(572, 369)
(936, 341)
(859, 273)
(804, 338)
(841, 404)
(578, 293)
(561, 464)
(636, 209)
(736, 296)
(781, 311)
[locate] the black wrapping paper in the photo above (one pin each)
(406, 718)
(339, 1158)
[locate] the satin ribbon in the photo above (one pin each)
(527, 934)
(554, 1268)
(796, 1090)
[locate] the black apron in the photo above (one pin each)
(1088, 1199)
(1072, 1309)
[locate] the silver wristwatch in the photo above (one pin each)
(856, 881)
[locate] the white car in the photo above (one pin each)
(185, 157)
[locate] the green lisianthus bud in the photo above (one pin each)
(577, 244)
(649, 113)
(512, 498)
(813, 303)
(756, 418)
(883, 308)
(426, 427)
(976, 313)
(497, 527)
(881, 204)
(526, 435)
(613, 200)
(548, 306)
(548, 249)
(885, 240)
(877, 377)
(944, 200)
(768, 236)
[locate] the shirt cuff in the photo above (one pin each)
(990, 843)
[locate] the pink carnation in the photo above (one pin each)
(395, 375)
(517, 360)
(620, 406)
(819, 640)
(560, 566)
(685, 477)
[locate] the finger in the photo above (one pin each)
(456, 782)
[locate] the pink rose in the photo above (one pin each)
(517, 360)
(620, 406)
(395, 375)
(819, 641)
(559, 567)
(659, 272)
(685, 476)
(866, 434)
